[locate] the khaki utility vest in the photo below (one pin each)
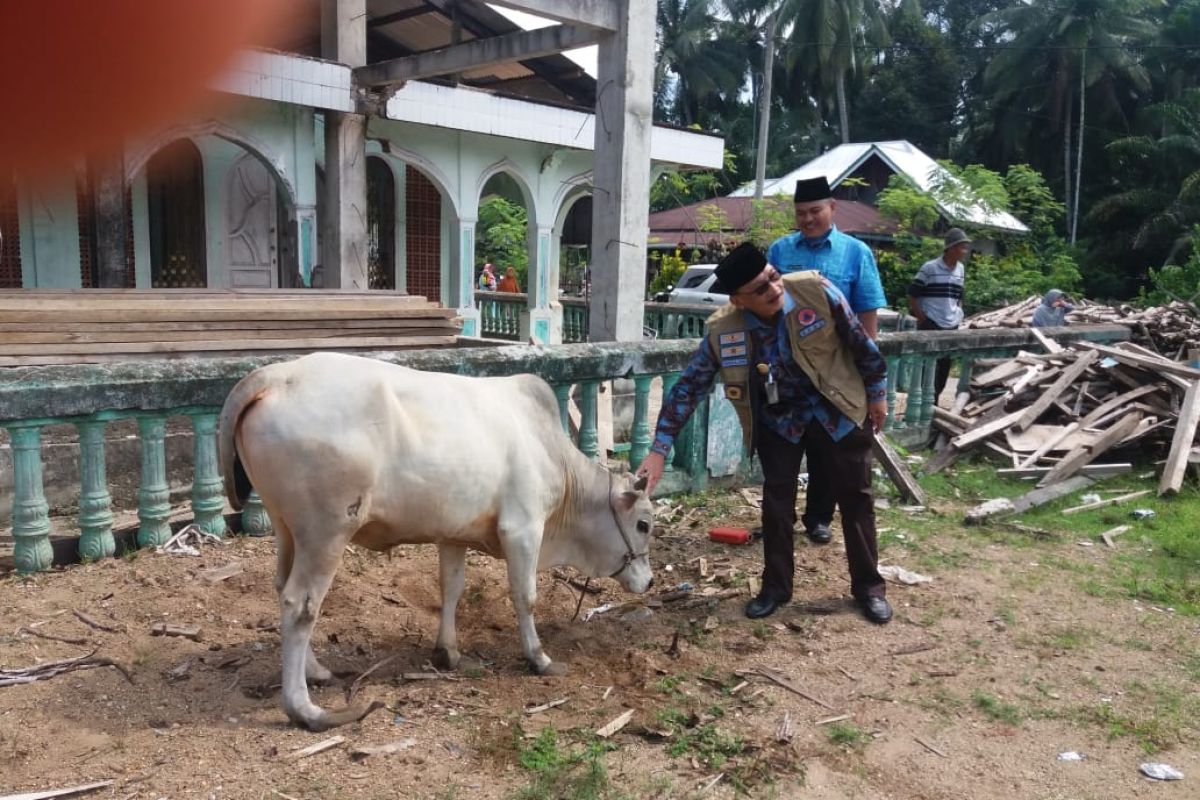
(816, 348)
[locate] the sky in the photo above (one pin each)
(584, 56)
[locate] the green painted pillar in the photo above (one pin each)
(154, 497)
(668, 383)
(928, 395)
(589, 438)
(640, 437)
(916, 390)
(965, 365)
(893, 368)
(95, 504)
(208, 492)
(562, 391)
(255, 520)
(31, 513)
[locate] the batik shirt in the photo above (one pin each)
(799, 401)
(843, 260)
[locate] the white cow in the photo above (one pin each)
(344, 449)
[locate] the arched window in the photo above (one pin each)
(381, 225)
(175, 200)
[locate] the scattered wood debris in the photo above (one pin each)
(313, 749)
(784, 732)
(546, 706)
(52, 793)
(361, 751)
(51, 636)
(184, 631)
(616, 725)
(1058, 415)
(92, 622)
(780, 679)
(930, 747)
(39, 672)
(218, 574)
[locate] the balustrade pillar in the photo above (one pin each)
(928, 395)
(640, 437)
(965, 365)
(255, 519)
(668, 383)
(589, 438)
(893, 373)
(562, 392)
(208, 492)
(154, 496)
(916, 390)
(95, 504)
(31, 513)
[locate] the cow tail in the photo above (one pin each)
(244, 397)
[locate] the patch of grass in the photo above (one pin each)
(708, 744)
(561, 772)
(1070, 638)
(474, 672)
(1006, 614)
(761, 630)
(847, 734)
(1191, 665)
(996, 709)
(669, 685)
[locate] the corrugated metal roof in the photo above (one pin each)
(903, 157)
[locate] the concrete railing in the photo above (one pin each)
(91, 397)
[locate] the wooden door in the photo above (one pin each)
(251, 240)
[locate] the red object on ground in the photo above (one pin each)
(729, 535)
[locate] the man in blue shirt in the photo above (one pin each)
(849, 265)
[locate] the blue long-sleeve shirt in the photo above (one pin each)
(799, 401)
(848, 263)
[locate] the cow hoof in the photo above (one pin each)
(446, 659)
(553, 669)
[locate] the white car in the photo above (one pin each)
(698, 285)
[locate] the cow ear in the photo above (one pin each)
(627, 500)
(640, 484)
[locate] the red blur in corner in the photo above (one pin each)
(80, 76)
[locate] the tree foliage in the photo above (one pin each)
(501, 240)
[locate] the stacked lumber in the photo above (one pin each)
(39, 328)
(1067, 412)
(1168, 329)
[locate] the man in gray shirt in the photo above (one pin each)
(935, 296)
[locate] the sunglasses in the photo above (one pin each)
(764, 287)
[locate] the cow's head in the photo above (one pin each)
(628, 545)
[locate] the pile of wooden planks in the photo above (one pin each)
(1168, 329)
(39, 328)
(1055, 414)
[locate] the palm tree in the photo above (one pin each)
(1056, 52)
(1163, 173)
(829, 41)
(692, 49)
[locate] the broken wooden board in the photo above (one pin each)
(1090, 470)
(1086, 454)
(1060, 437)
(1181, 443)
(1030, 415)
(1110, 501)
(897, 470)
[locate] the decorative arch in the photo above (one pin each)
(514, 171)
(259, 149)
(175, 216)
(411, 158)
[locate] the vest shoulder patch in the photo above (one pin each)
(733, 337)
(806, 316)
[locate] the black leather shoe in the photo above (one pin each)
(876, 609)
(762, 606)
(820, 534)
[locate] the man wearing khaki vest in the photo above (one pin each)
(802, 373)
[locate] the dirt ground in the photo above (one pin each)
(984, 677)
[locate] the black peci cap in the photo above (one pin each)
(812, 189)
(741, 266)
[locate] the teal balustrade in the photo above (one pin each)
(500, 314)
(89, 395)
(208, 491)
(31, 513)
(575, 320)
(95, 503)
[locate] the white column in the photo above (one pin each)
(542, 320)
(622, 174)
(461, 277)
(344, 39)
